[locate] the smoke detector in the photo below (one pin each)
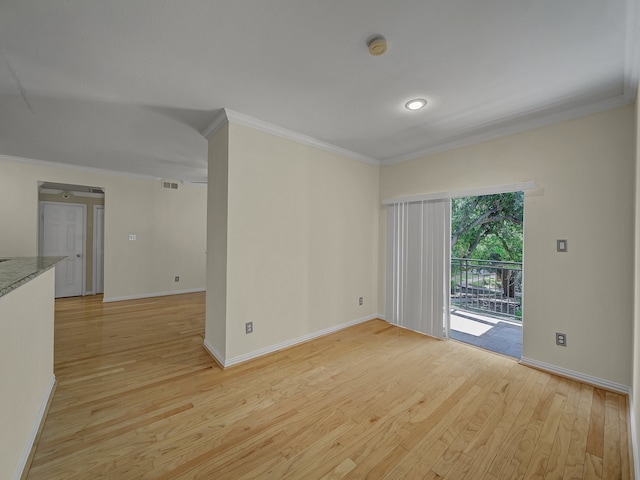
(377, 45)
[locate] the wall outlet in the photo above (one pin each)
(248, 328)
(361, 301)
(561, 339)
(177, 279)
(561, 245)
(132, 236)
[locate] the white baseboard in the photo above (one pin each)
(213, 352)
(581, 377)
(598, 382)
(149, 295)
(282, 345)
(40, 418)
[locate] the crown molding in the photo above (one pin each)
(247, 121)
(472, 137)
(80, 168)
(218, 121)
(481, 133)
(628, 97)
(513, 127)
(228, 115)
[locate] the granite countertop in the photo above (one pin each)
(17, 271)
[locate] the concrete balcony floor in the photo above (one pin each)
(494, 334)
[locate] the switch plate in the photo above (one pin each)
(132, 236)
(248, 328)
(177, 279)
(561, 339)
(562, 245)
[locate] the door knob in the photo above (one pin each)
(78, 255)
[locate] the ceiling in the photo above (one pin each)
(132, 85)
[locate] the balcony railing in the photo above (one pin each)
(486, 286)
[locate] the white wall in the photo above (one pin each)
(585, 172)
(170, 226)
(301, 240)
(26, 367)
(217, 211)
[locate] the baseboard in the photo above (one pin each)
(217, 357)
(29, 450)
(245, 357)
(634, 439)
(381, 317)
(150, 295)
(598, 382)
(581, 377)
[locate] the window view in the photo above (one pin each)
(486, 271)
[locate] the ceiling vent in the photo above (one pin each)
(169, 184)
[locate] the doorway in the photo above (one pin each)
(487, 271)
(424, 283)
(63, 231)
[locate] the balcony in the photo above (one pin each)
(486, 304)
(487, 287)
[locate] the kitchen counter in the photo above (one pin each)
(17, 271)
(27, 286)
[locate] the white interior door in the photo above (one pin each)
(63, 227)
(98, 249)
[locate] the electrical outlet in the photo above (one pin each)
(361, 301)
(561, 339)
(561, 245)
(248, 328)
(177, 278)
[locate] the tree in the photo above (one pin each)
(490, 225)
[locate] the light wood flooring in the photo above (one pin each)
(138, 398)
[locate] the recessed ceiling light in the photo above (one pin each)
(415, 104)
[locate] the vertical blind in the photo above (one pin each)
(418, 271)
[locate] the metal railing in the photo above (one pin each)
(487, 286)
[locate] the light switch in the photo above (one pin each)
(562, 245)
(132, 236)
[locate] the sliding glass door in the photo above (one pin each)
(418, 257)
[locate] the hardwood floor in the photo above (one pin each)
(138, 398)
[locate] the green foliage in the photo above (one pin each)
(488, 227)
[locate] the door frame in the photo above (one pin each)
(95, 249)
(489, 314)
(41, 205)
(468, 192)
